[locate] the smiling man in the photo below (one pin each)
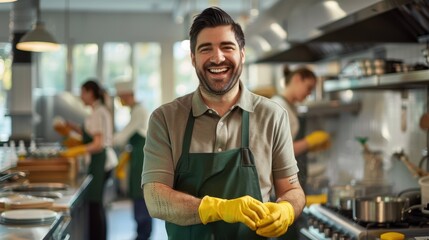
(213, 157)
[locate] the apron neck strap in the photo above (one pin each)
(188, 134)
(244, 129)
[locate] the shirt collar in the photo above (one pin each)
(97, 103)
(245, 102)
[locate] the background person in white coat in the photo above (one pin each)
(133, 137)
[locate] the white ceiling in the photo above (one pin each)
(235, 6)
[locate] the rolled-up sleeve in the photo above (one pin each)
(158, 163)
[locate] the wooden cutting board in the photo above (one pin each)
(57, 169)
(22, 201)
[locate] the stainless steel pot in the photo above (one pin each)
(379, 209)
(346, 203)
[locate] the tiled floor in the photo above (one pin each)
(121, 224)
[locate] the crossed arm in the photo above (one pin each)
(179, 208)
(173, 206)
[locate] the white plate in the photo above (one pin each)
(27, 215)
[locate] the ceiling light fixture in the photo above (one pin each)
(38, 39)
(7, 1)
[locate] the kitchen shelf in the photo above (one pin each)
(406, 80)
(327, 108)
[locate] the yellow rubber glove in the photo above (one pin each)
(74, 151)
(72, 142)
(317, 139)
(323, 146)
(120, 168)
(245, 209)
(277, 222)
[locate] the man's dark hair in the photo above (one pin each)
(214, 17)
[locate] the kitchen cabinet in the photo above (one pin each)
(405, 80)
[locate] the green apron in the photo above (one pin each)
(96, 169)
(136, 166)
(229, 174)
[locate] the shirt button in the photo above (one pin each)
(221, 124)
(219, 149)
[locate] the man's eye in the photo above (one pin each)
(204, 49)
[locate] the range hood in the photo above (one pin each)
(313, 51)
(387, 21)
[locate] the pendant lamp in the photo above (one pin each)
(38, 39)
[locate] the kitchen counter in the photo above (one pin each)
(73, 198)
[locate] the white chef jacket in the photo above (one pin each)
(137, 124)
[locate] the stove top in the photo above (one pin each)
(330, 223)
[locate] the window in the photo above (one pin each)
(148, 74)
(85, 57)
(186, 79)
(147, 77)
(52, 70)
(116, 63)
(5, 84)
(142, 63)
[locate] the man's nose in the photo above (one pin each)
(217, 57)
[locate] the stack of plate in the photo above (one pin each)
(28, 216)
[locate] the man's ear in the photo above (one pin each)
(193, 59)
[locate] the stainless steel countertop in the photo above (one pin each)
(40, 231)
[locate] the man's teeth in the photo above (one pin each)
(217, 70)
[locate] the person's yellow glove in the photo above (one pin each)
(245, 209)
(277, 222)
(120, 168)
(72, 142)
(317, 139)
(323, 146)
(74, 151)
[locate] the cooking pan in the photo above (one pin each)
(380, 209)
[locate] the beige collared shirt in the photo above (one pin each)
(270, 139)
(292, 113)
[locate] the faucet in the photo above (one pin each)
(10, 175)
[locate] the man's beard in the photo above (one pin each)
(228, 86)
